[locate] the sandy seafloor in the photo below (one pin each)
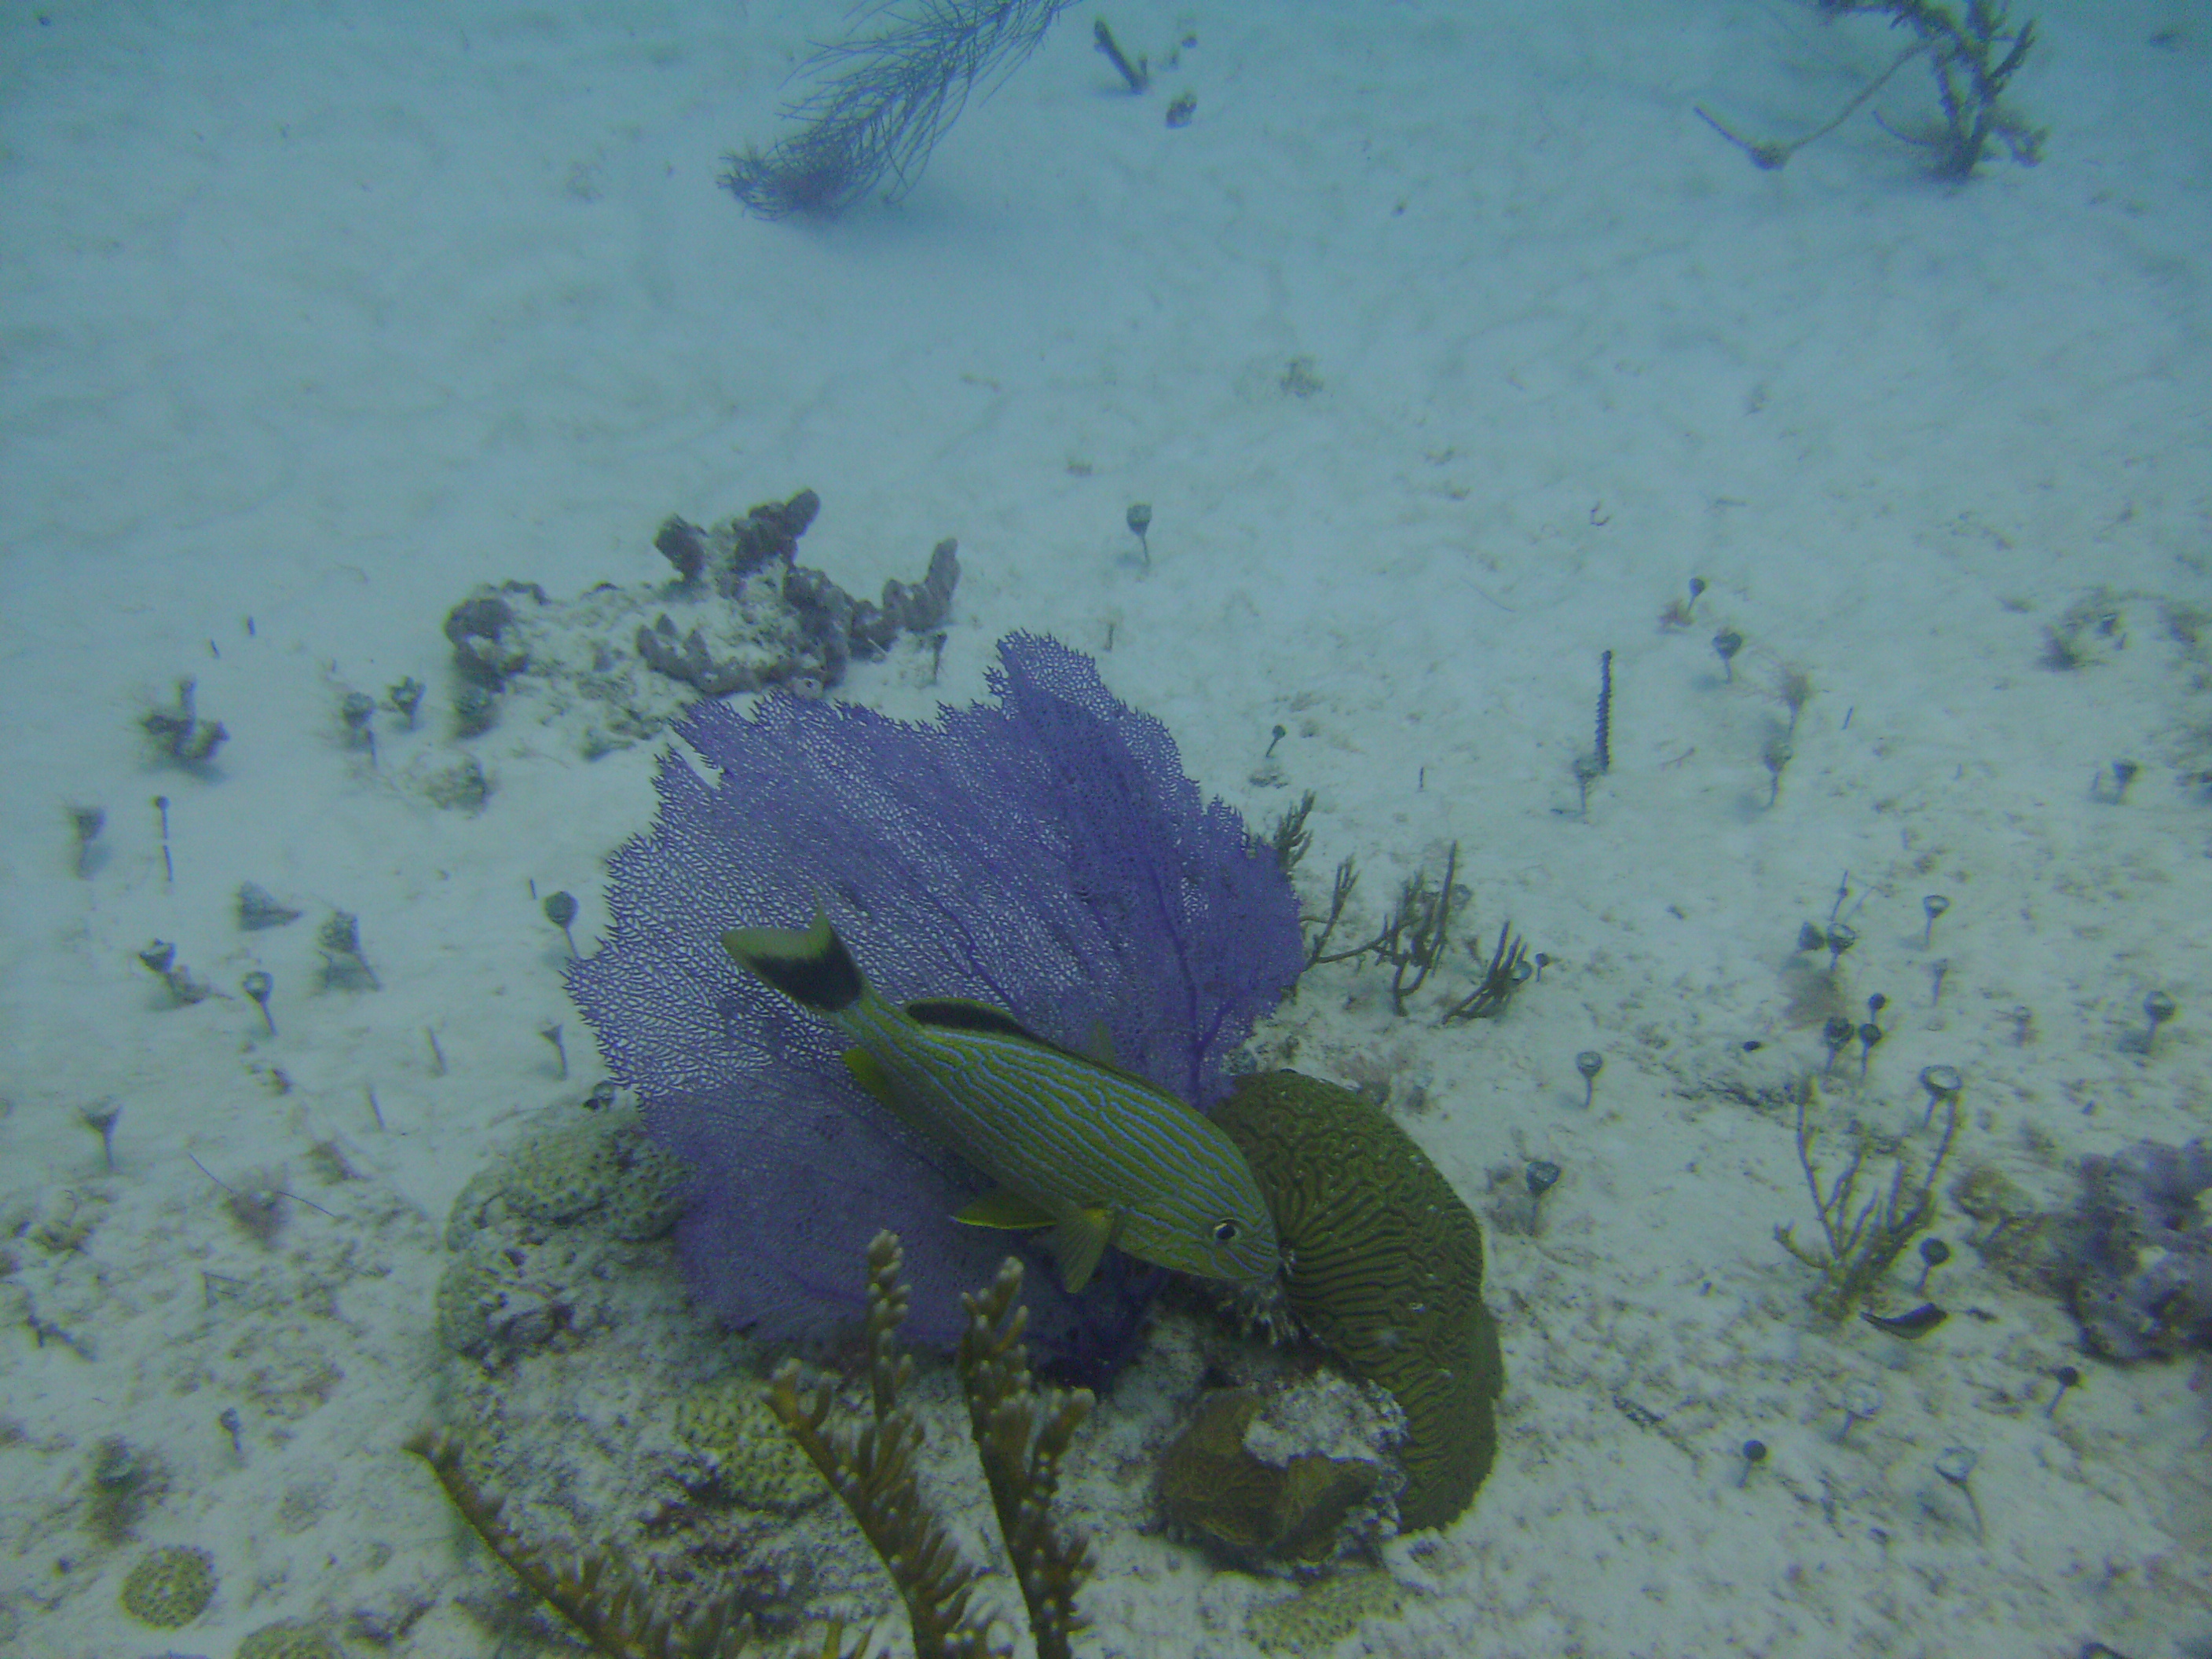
(321, 316)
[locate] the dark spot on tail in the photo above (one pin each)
(818, 974)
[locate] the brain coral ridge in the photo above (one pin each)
(1387, 1273)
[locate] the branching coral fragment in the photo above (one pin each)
(1863, 1239)
(884, 100)
(598, 1597)
(1973, 55)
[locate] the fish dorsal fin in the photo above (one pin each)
(1079, 1240)
(1005, 1209)
(958, 1014)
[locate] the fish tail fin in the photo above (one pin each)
(813, 967)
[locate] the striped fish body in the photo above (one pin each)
(1097, 1155)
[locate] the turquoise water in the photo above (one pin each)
(1446, 345)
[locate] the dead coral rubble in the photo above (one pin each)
(2136, 1254)
(180, 734)
(832, 625)
(742, 615)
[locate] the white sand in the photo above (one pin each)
(322, 320)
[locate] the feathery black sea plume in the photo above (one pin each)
(1045, 854)
(882, 100)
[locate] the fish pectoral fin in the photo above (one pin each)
(1005, 1209)
(1100, 1048)
(870, 1076)
(1079, 1240)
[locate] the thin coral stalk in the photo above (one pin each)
(1863, 1239)
(1340, 891)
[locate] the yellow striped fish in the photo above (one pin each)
(1096, 1154)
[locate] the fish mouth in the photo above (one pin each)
(1262, 1305)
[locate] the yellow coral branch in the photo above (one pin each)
(872, 1469)
(1020, 1438)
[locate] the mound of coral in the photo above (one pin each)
(616, 662)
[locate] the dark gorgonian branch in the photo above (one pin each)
(1974, 54)
(882, 100)
(1508, 972)
(1289, 835)
(1345, 881)
(1413, 935)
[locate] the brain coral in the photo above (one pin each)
(171, 1587)
(1387, 1275)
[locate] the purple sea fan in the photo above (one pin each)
(1046, 855)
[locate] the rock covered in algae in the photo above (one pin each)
(170, 1588)
(1300, 1474)
(1387, 1275)
(755, 1463)
(584, 1387)
(595, 1162)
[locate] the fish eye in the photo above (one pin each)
(1225, 1232)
